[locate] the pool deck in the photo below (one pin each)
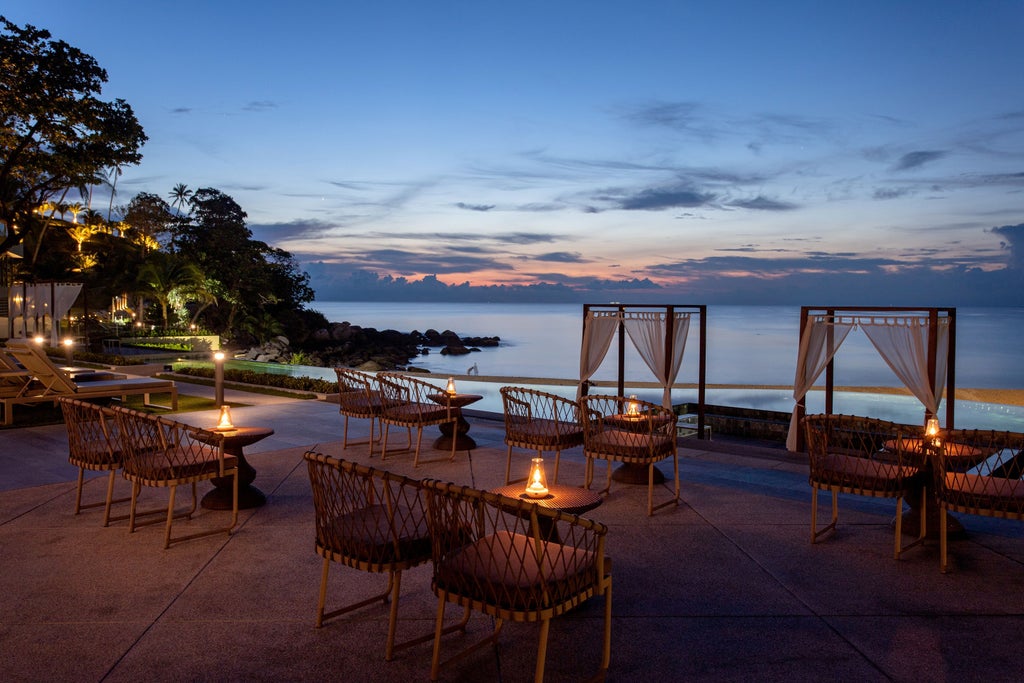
(726, 587)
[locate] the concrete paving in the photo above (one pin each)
(726, 587)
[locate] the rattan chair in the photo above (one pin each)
(359, 397)
(493, 555)
(978, 473)
(630, 431)
(865, 457)
(414, 404)
(92, 445)
(370, 520)
(162, 453)
(540, 422)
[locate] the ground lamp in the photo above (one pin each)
(69, 350)
(537, 482)
(218, 378)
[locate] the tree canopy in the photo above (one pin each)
(55, 132)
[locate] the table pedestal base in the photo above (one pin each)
(912, 525)
(248, 495)
(463, 441)
(629, 473)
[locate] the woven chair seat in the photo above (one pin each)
(544, 433)
(415, 413)
(96, 454)
(358, 404)
(165, 466)
(504, 569)
(372, 536)
(980, 492)
(615, 444)
(855, 472)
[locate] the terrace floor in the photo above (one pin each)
(726, 587)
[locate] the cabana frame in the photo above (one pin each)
(667, 313)
(855, 313)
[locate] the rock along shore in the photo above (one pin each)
(367, 348)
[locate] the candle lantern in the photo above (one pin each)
(931, 431)
(633, 408)
(224, 424)
(537, 482)
(451, 386)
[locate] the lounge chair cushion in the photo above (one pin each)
(839, 469)
(540, 433)
(626, 446)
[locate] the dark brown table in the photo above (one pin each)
(570, 499)
(458, 431)
(235, 440)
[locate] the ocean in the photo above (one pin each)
(746, 345)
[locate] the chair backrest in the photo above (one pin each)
(540, 418)
(867, 453)
(980, 471)
(358, 394)
(159, 449)
(402, 390)
(31, 355)
(92, 433)
(367, 518)
(509, 552)
(635, 423)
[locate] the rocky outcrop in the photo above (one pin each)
(369, 349)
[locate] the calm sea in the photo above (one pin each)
(747, 345)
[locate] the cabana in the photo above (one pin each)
(659, 343)
(29, 305)
(918, 344)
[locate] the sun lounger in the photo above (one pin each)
(49, 382)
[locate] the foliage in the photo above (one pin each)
(55, 133)
(313, 384)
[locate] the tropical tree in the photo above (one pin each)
(164, 277)
(150, 217)
(80, 233)
(180, 196)
(55, 132)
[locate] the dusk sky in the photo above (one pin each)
(855, 152)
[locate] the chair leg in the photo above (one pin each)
(943, 541)
(110, 498)
(815, 532)
(78, 490)
(170, 516)
(132, 508)
(508, 466)
(323, 593)
(542, 649)
(558, 457)
(899, 528)
(389, 645)
(606, 651)
(435, 661)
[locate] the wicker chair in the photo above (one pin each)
(409, 402)
(978, 473)
(492, 554)
(865, 457)
(630, 431)
(359, 397)
(540, 422)
(370, 520)
(92, 445)
(159, 452)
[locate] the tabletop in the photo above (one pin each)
(571, 499)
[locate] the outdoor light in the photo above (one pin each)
(218, 378)
(633, 408)
(224, 424)
(451, 386)
(931, 431)
(39, 339)
(537, 482)
(69, 349)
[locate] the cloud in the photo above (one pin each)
(657, 198)
(182, 110)
(1014, 236)
(884, 193)
(913, 160)
(474, 207)
(561, 257)
(761, 203)
(260, 105)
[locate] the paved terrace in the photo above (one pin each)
(724, 588)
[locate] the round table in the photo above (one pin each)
(570, 499)
(219, 498)
(458, 431)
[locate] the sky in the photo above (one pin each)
(860, 152)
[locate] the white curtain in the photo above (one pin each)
(63, 297)
(36, 302)
(903, 343)
(598, 331)
(820, 340)
(647, 331)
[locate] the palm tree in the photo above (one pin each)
(80, 233)
(75, 209)
(165, 277)
(180, 196)
(113, 174)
